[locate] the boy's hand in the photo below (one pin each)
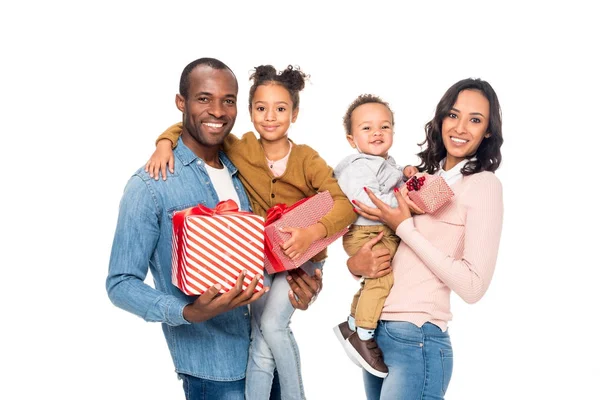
(301, 239)
(161, 158)
(409, 171)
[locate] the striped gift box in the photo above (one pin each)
(213, 246)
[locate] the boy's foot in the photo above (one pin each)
(342, 332)
(368, 354)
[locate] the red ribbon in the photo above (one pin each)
(225, 207)
(273, 214)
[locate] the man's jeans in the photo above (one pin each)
(202, 389)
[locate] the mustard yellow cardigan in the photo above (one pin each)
(306, 174)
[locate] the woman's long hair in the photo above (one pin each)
(488, 155)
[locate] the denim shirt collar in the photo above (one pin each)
(187, 156)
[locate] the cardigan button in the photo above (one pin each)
(272, 195)
(274, 180)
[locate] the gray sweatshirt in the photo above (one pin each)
(378, 174)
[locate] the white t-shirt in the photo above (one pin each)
(221, 180)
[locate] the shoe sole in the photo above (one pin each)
(356, 355)
(345, 345)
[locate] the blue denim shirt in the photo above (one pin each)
(216, 349)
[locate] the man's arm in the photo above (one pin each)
(134, 243)
(135, 240)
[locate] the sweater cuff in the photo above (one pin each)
(405, 228)
(329, 228)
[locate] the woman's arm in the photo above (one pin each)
(470, 275)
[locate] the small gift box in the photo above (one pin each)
(302, 214)
(429, 192)
(213, 246)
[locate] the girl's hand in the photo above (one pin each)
(301, 239)
(392, 217)
(161, 158)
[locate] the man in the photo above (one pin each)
(209, 335)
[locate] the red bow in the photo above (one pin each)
(415, 183)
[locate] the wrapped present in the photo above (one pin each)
(302, 214)
(429, 192)
(213, 246)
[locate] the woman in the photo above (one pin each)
(453, 249)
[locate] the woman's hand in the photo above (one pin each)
(161, 158)
(392, 217)
(411, 205)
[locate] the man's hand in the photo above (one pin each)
(211, 303)
(371, 263)
(304, 288)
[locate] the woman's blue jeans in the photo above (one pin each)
(419, 362)
(273, 344)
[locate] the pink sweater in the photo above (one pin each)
(454, 249)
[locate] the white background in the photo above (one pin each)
(87, 86)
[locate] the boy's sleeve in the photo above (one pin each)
(172, 134)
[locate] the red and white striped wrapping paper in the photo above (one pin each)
(213, 246)
(302, 214)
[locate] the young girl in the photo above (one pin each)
(275, 170)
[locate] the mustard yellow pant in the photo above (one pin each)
(368, 301)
